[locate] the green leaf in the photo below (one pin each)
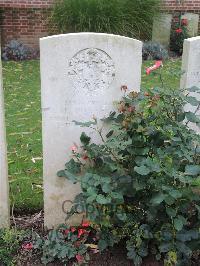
(178, 224)
(142, 170)
(171, 212)
(175, 194)
(169, 200)
(101, 199)
(165, 247)
(106, 187)
(192, 170)
(192, 100)
(68, 175)
(73, 167)
(102, 244)
(159, 198)
(194, 89)
(191, 117)
(85, 139)
(110, 133)
(184, 249)
(122, 216)
(189, 235)
(181, 117)
(61, 173)
(91, 198)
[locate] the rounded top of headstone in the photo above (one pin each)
(88, 35)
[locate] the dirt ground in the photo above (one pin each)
(112, 257)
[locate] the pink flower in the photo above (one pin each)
(85, 223)
(74, 148)
(184, 22)
(81, 232)
(73, 229)
(66, 232)
(27, 246)
(157, 65)
(80, 258)
(178, 30)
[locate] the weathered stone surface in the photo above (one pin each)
(4, 202)
(162, 29)
(81, 76)
(193, 23)
(191, 69)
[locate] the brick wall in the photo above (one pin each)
(176, 7)
(27, 21)
(182, 5)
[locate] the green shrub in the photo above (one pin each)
(138, 184)
(154, 51)
(178, 35)
(131, 18)
(9, 244)
(64, 244)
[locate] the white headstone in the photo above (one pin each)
(191, 69)
(81, 76)
(162, 29)
(193, 23)
(4, 202)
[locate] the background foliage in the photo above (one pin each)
(131, 18)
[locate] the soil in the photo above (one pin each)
(112, 257)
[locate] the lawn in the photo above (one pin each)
(23, 119)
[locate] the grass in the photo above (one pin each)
(23, 118)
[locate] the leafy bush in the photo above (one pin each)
(178, 35)
(9, 244)
(138, 184)
(64, 244)
(16, 51)
(154, 51)
(125, 17)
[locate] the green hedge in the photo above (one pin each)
(131, 18)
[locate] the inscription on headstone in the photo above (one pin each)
(4, 202)
(81, 77)
(91, 68)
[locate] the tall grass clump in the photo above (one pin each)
(132, 18)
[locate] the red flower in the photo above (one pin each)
(27, 246)
(81, 232)
(73, 229)
(184, 22)
(85, 223)
(79, 258)
(131, 109)
(66, 232)
(157, 65)
(178, 30)
(85, 157)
